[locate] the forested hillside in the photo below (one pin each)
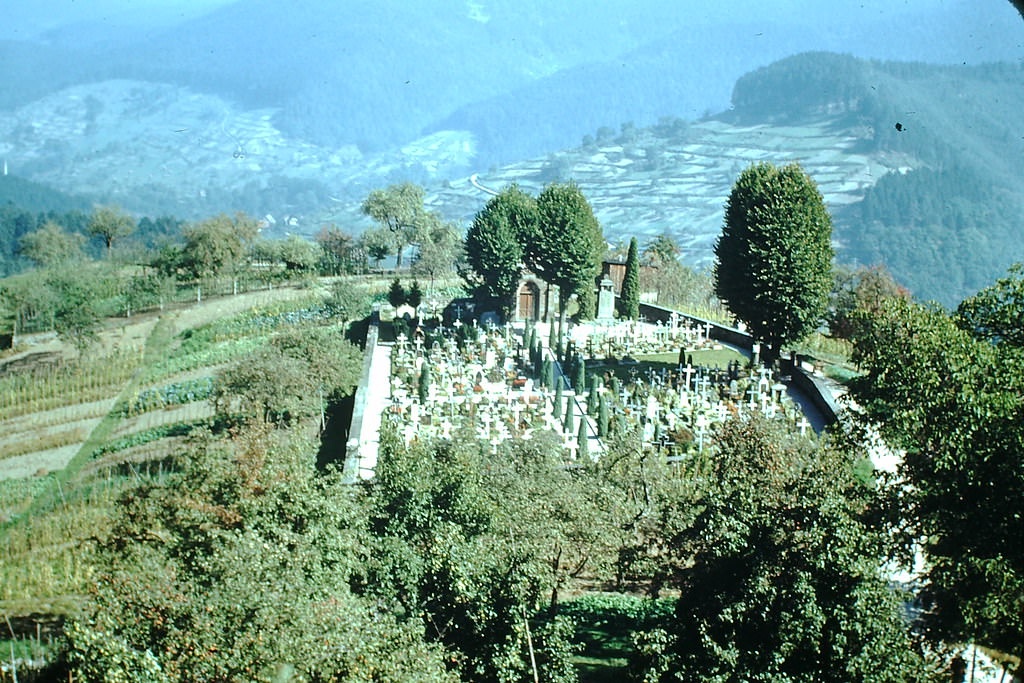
(948, 221)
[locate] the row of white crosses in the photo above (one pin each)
(694, 403)
(498, 413)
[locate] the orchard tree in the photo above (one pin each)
(217, 246)
(495, 243)
(377, 244)
(782, 578)
(337, 250)
(629, 302)
(774, 256)
(242, 539)
(675, 284)
(399, 209)
(859, 294)
(52, 245)
(110, 224)
(567, 247)
(75, 316)
(439, 252)
(951, 404)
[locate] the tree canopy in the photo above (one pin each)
(495, 243)
(52, 245)
(774, 256)
(780, 576)
(110, 224)
(399, 209)
(567, 248)
(950, 403)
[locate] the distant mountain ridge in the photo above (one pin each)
(379, 74)
(945, 219)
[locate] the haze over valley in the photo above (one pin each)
(299, 112)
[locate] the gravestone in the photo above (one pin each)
(606, 300)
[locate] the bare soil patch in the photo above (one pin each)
(40, 462)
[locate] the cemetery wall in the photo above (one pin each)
(815, 388)
(356, 426)
(719, 332)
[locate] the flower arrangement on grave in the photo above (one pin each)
(681, 436)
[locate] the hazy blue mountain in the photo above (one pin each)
(301, 108)
(523, 76)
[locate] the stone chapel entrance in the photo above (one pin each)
(528, 302)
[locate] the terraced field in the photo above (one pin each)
(49, 417)
(678, 186)
(73, 436)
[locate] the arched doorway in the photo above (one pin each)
(528, 301)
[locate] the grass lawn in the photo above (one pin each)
(669, 361)
(605, 623)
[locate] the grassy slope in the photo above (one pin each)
(48, 521)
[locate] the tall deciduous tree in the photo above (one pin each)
(399, 208)
(630, 298)
(51, 245)
(217, 246)
(783, 580)
(110, 224)
(567, 247)
(439, 251)
(774, 256)
(952, 404)
(495, 242)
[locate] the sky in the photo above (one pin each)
(27, 19)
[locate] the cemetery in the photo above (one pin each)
(667, 384)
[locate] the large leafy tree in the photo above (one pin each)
(567, 247)
(475, 543)
(774, 256)
(216, 246)
(495, 242)
(439, 251)
(237, 566)
(951, 404)
(399, 209)
(110, 224)
(783, 580)
(52, 245)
